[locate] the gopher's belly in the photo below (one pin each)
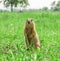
(29, 38)
(31, 41)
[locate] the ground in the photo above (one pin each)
(12, 44)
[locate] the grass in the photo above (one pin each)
(12, 44)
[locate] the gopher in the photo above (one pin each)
(31, 37)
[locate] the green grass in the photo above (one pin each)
(12, 44)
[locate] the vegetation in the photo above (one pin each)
(12, 44)
(15, 3)
(55, 6)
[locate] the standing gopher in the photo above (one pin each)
(31, 37)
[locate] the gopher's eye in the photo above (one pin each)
(28, 22)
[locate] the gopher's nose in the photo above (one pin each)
(28, 22)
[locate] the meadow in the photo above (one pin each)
(12, 44)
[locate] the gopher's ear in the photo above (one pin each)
(26, 19)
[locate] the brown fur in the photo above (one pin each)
(31, 37)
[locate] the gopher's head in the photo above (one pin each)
(30, 23)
